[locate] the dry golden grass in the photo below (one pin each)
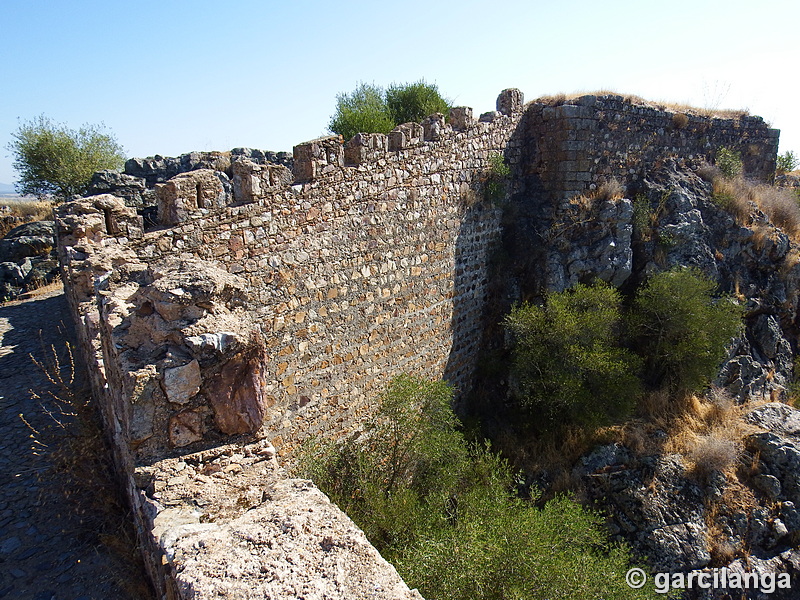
(737, 196)
(679, 120)
(781, 206)
(23, 211)
(732, 195)
(33, 210)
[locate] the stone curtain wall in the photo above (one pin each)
(279, 318)
(372, 264)
(586, 141)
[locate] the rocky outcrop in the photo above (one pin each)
(604, 229)
(133, 190)
(653, 504)
(27, 258)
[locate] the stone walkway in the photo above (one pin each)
(63, 532)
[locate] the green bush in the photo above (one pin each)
(371, 109)
(568, 364)
(364, 110)
(682, 329)
(496, 178)
(414, 101)
(446, 514)
(729, 162)
(787, 162)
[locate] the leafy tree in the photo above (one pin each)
(364, 110)
(682, 329)
(446, 514)
(371, 109)
(414, 101)
(568, 364)
(53, 159)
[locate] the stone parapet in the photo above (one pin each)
(584, 142)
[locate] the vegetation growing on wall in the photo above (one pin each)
(371, 109)
(448, 515)
(787, 162)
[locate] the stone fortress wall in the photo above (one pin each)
(275, 304)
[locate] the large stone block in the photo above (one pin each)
(187, 192)
(313, 158)
(405, 136)
(461, 118)
(510, 102)
(238, 392)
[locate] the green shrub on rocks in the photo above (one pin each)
(682, 329)
(447, 513)
(787, 162)
(568, 362)
(363, 110)
(409, 102)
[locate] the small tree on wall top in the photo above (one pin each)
(371, 109)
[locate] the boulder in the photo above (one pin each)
(31, 239)
(128, 187)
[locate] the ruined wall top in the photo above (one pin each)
(578, 144)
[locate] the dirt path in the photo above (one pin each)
(63, 532)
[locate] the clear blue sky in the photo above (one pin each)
(169, 77)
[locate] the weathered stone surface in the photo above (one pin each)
(510, 102)
(181, 384)
(365, 146)
(778, 449)
(461, 118)
(128, 187)
(405, 136)
(252, 181)
(159, 169)
(433, 127)
(590, 239)
(187, 192)
(185, 427)
(238, 393)
(653, 503)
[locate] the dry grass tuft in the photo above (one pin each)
(75, 445)
(713, 452)
(17, 212)
(733, 196)
(781, 206)
(610, 190)
(679, 120)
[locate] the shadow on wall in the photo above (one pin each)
(482, 267)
